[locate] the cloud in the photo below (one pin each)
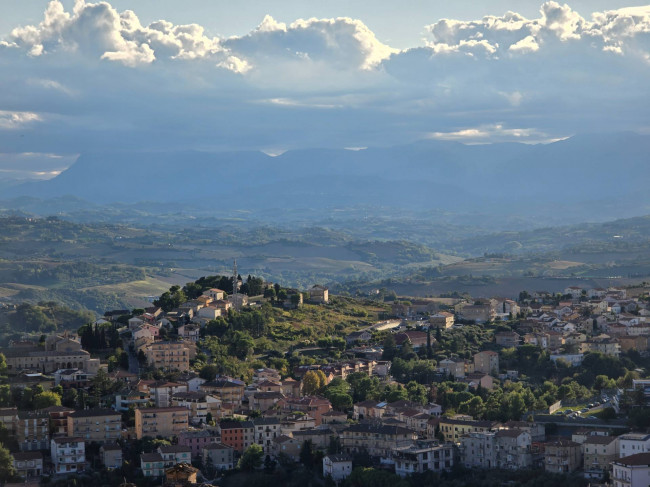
(95, 78)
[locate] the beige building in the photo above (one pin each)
(442, 320)
(377, 440)
(562, 456)
(100, 425)
(160, 421)
(168, 355)
(454, 428)
(487, 362)
(48, 361)
(599, 452)
(603, 344)
(227, 390)
(319, 294)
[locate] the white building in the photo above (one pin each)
(68, 455)
(632, 471)
(633, 443)
(337, 466)
(421, 456)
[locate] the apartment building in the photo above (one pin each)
(161, 421)
(33, 430)
(28, 464)
(220, 456)
(562, 456)
(237, 434)
(422, 456)
(68, 455)
(631, 471)
(100, 425)
(171, 356)
(377, 439)
(454, 428)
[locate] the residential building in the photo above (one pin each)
(631, 471)
(47, 361)
(220, 456)
(111, 455)
(33, 430)
(266, 429)
(319, 294)
(337, 466)
(456, 368)
(199, 404)
(599, 452)
(603, 344)
(68, 455)
(513, 449)
(377, 439)
(417, 339)
(454, 428)
(28, 464)
(175, 454)
(9, 419)
(310, 405)
(487, 362)
(442, 319)
(161, 392)
(507, 339)
(197, 440)
(152, 464)
(633, 443)
(58, 420)
(562, 456)
(227, 390)
(100, 425)
(168, 355)
(237, 434)
(161, 421)
(422, 456)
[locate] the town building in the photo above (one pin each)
(377, 439)
(99, 425)
(237, 434)
(170, 356)
(631, 471)
(337, 466)
(68, 455)
(219, 456)
(28, 464)
(422, 456)
(161, 421)
(562, 456)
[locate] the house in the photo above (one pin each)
(603, 344)
(189, 332)
(220, 456)
(454, 428)
(287, 445)
(215, 294)
(633, 443)
(417, 339)
(507, 339)
(199, 405)
(442, 320)
(161, 392)
(33, 430)
(266, 429)
(68, 455)
(422, 456)
(227, 390)
(197, 440)
(562, 456)
(476, 379)
(237, 434)
(632, 471)
(337, 466)
(152, 464)
(480, 313)
(100, 425)
(456, 368)
(160, 421)
(175, 454)
(487, 362)
(28, 464)
(319, 294)
(169, 356)
(599, 452)
(110, 455)
(310, 405)
(377, 439)
(358, 336)
(58, 419)
(266, 374)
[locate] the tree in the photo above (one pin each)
(3, 364)
(69, 399)
(208, 372)
(46, 399)
(307, 455)
(7, 470)
(251, 459)
(390, 348)
(311, 382)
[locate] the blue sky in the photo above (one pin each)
(216, 75)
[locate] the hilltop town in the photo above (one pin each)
(259, 383)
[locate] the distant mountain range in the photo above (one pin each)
(586, 177)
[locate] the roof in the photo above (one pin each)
(111, 447)
(90, 413)
(380, 429)
(230, 424)
(151, 457)
(512, 433)
(217, 446)
(174, 409)
(599, 440)
(174, 449)
(27, 455)
(636, 460)
(339, 457)
(66, 439)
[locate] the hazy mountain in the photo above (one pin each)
(587, 176)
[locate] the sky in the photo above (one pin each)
(267, 75)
